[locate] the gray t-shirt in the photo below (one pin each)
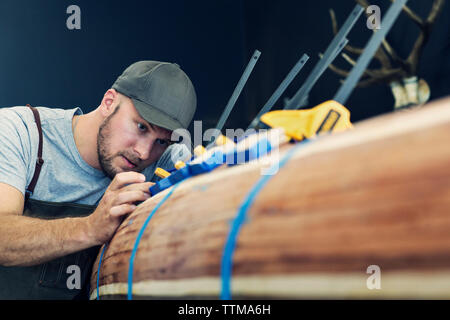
(65, 176)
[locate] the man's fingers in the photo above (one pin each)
(132, 196)
(125, 178)
(145, 186)
(121, 210)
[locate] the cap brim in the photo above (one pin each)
(155, 116)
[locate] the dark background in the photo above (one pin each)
(43, 63)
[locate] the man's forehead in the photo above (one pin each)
(163, 132)
(158, 128)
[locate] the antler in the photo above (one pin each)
(426, 27)
(385, 54)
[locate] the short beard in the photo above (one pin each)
(104, 160)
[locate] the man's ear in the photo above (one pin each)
(109, 102)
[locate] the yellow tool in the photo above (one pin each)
(223, 140)
(179, 164)
(160, 172)
(306, 123)
(199, 150)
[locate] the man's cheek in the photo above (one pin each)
(154, 156)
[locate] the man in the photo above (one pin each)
(67, 180)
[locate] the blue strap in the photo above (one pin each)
(138, 239)
(241, 216)
(98, 270)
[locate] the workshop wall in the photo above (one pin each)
(44, 63)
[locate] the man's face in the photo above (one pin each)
(126, 142)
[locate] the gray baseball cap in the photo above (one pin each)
(161, 92)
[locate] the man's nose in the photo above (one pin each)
(143, 148)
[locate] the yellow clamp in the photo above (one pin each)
(160, 172)
(199, 150)
(179, 164)
(223, 140)
(329, 116)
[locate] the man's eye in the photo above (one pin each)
(162, 142)
(142, 127)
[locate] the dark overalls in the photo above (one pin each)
(48, 280)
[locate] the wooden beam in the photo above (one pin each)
(375, 195)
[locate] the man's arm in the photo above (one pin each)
(26, 241)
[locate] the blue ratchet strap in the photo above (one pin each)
(98, 269)
(138, 239)
(230, 244)
(259, 149)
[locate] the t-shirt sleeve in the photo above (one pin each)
(14, 160)
(173, 153)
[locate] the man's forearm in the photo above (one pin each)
(26, 241)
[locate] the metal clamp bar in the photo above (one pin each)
(299, 100)
(281, 88)
(334, 48)
(237, 90)
(369, 51)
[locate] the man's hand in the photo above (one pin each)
(26, 241)
(118, 201)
